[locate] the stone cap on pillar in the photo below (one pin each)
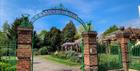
(90, 33)
(122, 33)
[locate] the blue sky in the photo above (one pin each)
(102, 13)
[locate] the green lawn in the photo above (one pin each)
(8, 63)
(8, 57)
(62, 61)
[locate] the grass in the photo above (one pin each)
(61, 61)
(8, 63)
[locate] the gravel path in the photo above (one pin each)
(41, 64)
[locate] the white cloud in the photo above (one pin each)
(139, 10)
(134, 23)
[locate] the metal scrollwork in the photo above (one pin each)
(58, 11)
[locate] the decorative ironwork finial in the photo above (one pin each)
(89, 26)
(25, 22)
(60, 6)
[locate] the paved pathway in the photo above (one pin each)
(41, 64)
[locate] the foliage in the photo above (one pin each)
(37, 41)
(81, 29)
(12, 32)
(35, 51)
(110, 30)
(7, 67)
(7, 51)
(6, 27)
(43, 51)
(135, 50)
(107, 62)
(135, 64)
(53, 39)
(68, 55)
(69, 32)
(101, 48)
(42, 34)
(115, 48)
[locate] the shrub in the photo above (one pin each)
(101, 48)
(7, 51)
(69, 55)
(61, 55)
(12, 68)
(107, 62)
(43, 51)
(114, 49)
(4, 66)
(35, 51)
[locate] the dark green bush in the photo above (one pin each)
(43, 51)
(101, 48)
(35, 51)
(114, 49)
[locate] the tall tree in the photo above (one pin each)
(12, 33)
(42, 34)
(37, 42)
(69, 32)
(55, 38)
(6, 27)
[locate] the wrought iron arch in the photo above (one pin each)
(58, 11)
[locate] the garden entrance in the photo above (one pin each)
(26, 41)
(17, 54)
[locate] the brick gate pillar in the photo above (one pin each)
(24, 51)
(90, 51)
(123, 38)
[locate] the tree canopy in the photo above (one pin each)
(110, 30)
(69, 32)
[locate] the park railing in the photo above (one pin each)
(134, 55)
(8, 55)
(109, 57)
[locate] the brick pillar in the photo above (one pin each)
(90, 51)
(123, 40)
(24, 50)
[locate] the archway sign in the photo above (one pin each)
(62, 11)
(59, 11)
